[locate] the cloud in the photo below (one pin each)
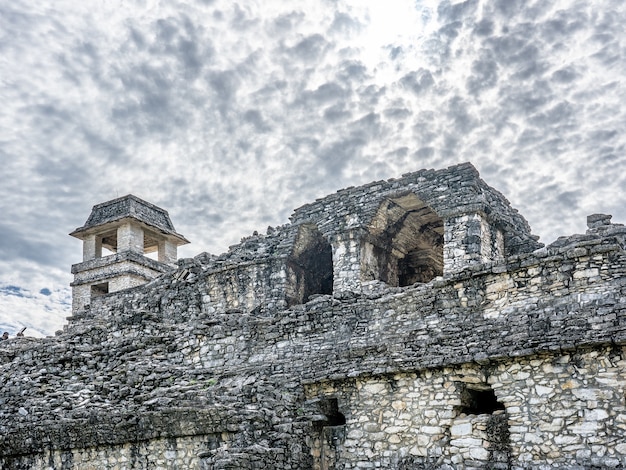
(345, 25)
(14, 245)
(229, 115)
(484, 75)
(508, 8)
(41, 313)
(484, 27)
(12, 290)
(456, 12)
(309, 49)
(418, 81)
(565, 75)
(462, 120)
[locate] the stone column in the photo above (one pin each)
(470, 239)
(130, 238)
(346, 262)
(90, 248)
(168, 252)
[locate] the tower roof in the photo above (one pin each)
(129, 206)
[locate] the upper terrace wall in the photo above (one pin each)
(413, 229)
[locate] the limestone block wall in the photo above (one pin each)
(565, 408)
(536, 330)
(413, 420)
(558, 411)
(479, 224)
(102, 268)
(452, 192)
(92, 247)
(120, 271)
(167, 252)
(130, 237)
(82, 294)
(248, 288)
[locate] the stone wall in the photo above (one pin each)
(117, 271)
(513, 360)
(178, 453)
(558, 411)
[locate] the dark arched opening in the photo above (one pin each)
(310, 266)
(404, 244)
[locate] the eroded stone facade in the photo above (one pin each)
(407, 324)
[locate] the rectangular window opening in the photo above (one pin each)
(99, 289)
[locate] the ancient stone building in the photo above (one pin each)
(129, 228)
(413, 323)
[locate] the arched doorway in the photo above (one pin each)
(309, 267)
(404, 243)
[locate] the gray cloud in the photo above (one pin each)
(12, 290)
(254, 117)
(15, 246)
(418, 81)
(225, 84)
(287, 21)
(569, 199)
(557, 115)
(352, 71)
(425, 153)
(309, 49)
(484, 27)
(337, 113)
(563, 25)
(344, 24)
(335, 157)
(484, 75)
(565, 75)
(456, 12)
(461, 118)
(398, 113)
(509, 8)
(328, 92)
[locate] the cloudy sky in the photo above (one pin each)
(230, 114)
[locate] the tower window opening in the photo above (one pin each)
(150, 245)
(99, 289)
(417, 266)
(329, 434)
(108, 242)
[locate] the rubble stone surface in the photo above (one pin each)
(414, 323)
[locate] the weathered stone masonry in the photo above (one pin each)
(410, 323)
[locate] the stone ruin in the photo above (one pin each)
(414, 323)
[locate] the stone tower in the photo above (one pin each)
(129, 228)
